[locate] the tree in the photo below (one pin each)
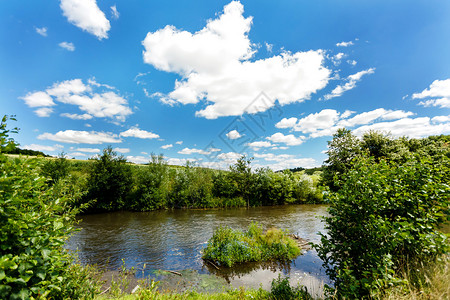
(342, 149)
(109, 181)
(242, 174)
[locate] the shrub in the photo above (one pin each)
(282, 290)
(55, 169)
(385, 217)
(35, 221)
(109, 181)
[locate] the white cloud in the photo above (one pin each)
(167, 146)
(42, 31)
(37, 147)
(229, 158)
(439, 89)
(122, 150)
(289, 139)
(350, 84)
(179, 161)
(139, 133)
(76, 116)
(179, 142)
(67, 45)
(327, 121)
(96, 100)
(269, 47)
(286, 161)
(38, 99)
(44, 112)
(75, 154)
(88, 150)
(189, 151)
(352, 62)
(115, 14)
(138, 159)
(336, 59)
(413, 128)
(233, 135)
(315, 122)
(259, 144)
(216, 67)
(86, 15)
(80, 137)
(286, 123)
(441, 119)
(345, 44)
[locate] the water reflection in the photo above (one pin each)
(174, 239)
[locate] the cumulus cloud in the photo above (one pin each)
(138, 159)
(96, 100)
(233, 135)
(167, 146)
(439, 92)
(345, 44)
(67, 45)
(398, 122)
(350, 84)
(44, 112)
(216, 67)
(86, 15)
(122, 150)
(259, 144)
(139, 133)
(285, 161)
(81, 137)
(37, 147)
(179, 142)
(76, 116)
(88, 150)
(189, 151)
(289, 139)
(42, 31)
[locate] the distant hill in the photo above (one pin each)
(27, 152)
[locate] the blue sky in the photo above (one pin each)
(208, 81)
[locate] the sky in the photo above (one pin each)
(209, 81)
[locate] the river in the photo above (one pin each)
(173, 240)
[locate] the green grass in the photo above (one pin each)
(228, 246)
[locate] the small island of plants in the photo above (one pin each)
(228, 246)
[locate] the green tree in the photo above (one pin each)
(109, 181)
(243, 176)
(57, 168)
(150, 189)
(385, 216)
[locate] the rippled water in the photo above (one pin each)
(173, 240)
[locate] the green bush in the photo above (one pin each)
(109, 181)
(35, 221)
(56, 169)
(383, 219)
(282, 290)
(228, 247)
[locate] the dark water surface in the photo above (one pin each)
(173, 240)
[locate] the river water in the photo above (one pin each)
(173, 240)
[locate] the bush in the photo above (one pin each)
(228, 247)
(35, 221)
(56, 169)
(282, 290)
(383, 219)
(109, 181)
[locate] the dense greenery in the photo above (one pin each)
(35, 221)
(112, 184)
(391, 197)
(228, 246)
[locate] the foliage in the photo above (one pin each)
(384, 217)
(35, 221)
(282, 290)
(228, 247)
(56, 169)
(109, 181)
(149, 190)
(6, 142)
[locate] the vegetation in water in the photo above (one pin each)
(228, 246)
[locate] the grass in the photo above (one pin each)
(228, 246)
